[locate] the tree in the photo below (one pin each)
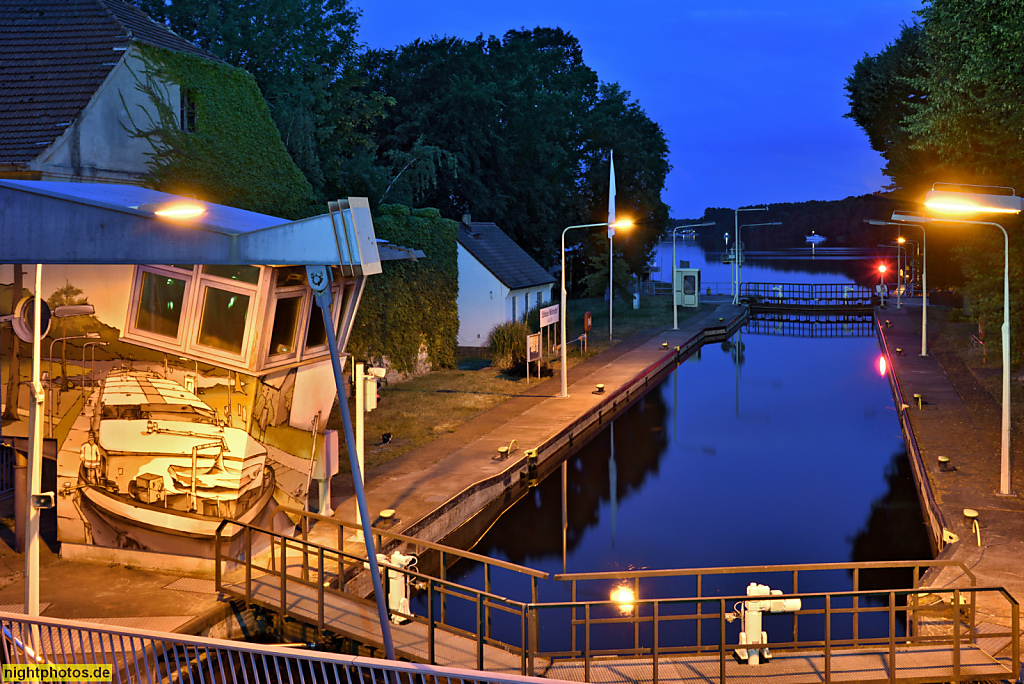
(518, 130)
(300, 53)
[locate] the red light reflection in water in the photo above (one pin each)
(881, 366)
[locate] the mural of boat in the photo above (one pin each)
(171, 470)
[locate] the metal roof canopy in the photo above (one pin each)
(44, 222)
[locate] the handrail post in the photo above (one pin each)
(828, 637)
(700, 605)
(487, 588)
(1015, 641)
(216, 559)
(522, 637)
(444, 577)
(284, 574)
(320, 594)
(892, 636)
(572, 616)
(532, 617)
(956, 636)
(721, 641)
(586, 642)
(430, 620)
(856, 607)
(796, 625)
(305, 548)
(636, 616)
(479, 631)
(654, 646)
(248, 564)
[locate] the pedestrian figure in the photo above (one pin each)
(92, 460)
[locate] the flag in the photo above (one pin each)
(611, 194)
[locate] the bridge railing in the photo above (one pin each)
(697, 628)
(144, 656)
(281, 572)
(790, 578)
(806, 294)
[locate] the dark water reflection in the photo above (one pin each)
(764, 450)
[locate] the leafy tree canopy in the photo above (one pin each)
(300, 52)
(515, 130)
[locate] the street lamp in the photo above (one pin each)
(739, 246)
(738, 251)
(970, 200)
(900, 218)
(624, 223)
(675, 314)
(92, 381)
(881, 274)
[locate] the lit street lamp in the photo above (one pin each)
(918, 220)
(881, 274)
(971, 200)
(675, 314)
(625, 223)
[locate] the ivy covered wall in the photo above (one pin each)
(234, 155)
(411, 302)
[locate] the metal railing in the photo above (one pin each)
(150, 657)
(642, 582)
(684, 620)
(295, 568)
(806, 295)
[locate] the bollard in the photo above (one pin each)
(919, 400)
(972, 516)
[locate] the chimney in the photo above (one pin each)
(466, 218)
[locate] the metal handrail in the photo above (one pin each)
(314, 575)
(657, 616)
(148, 657)
(803, 294)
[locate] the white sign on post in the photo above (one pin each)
(548, 316)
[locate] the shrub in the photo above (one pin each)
(508, 343)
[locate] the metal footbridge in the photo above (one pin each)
(680, 625)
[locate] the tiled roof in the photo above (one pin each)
(502, 256)
(54, 54)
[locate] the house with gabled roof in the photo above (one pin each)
(498, 281)
(69, 71)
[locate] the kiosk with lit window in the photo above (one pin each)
(686, 285)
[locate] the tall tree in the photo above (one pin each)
(300, 53)
(518, 127)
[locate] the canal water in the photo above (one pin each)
(775, 447)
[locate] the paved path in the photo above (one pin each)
(959, 419)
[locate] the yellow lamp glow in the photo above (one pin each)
(179, 210)
(622, 224)
(624, 597)
(961, 203)
(901, 240)
(882, 268)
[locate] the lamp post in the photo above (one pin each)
(737, 268)
(973, 200)
(625, 223)
(675, 313)
(900, 219)
(881, 274)
(92, 381)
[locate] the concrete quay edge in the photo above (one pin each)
(957, 419)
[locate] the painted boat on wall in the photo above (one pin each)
(171, 469)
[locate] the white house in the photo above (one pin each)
(498, 281)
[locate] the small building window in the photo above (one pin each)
(187, 112)
(223, 320)
(243, 274)
(286, 325)
(160, 304)
(514, 300)
(316, 333)
(538, 299)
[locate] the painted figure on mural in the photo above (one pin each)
(92, 460)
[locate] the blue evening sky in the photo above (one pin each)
(749, 92)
